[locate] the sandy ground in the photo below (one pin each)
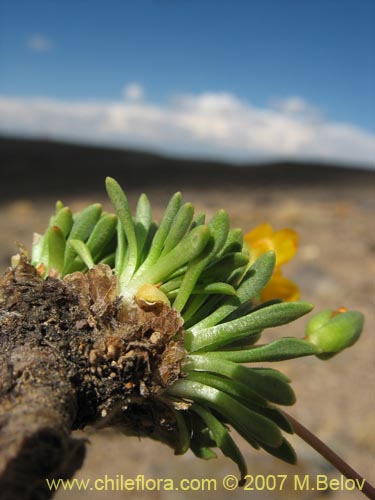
(335, 399)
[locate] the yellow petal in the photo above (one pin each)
(280, 287)
(285, 245)
(259, 232)
(263, 238)
(259, 240)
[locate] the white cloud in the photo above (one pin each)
(218, 125)
(298, 107)
(39, 43)
(133, 92)
(292, 104)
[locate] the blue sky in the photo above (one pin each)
(197, 66)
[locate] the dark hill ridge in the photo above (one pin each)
(35, 166)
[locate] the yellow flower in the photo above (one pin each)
(284, 242)
(280, 287)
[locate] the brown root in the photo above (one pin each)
(70, 356)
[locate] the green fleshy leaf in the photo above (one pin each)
(188, 248)
(85, 221)
(249, 424)
(201, 440)
(244, 395)
(247, 308)
(241, 311)
(143, 221)
(222, 268)
(236, 276)
(232, 387)
(84, 253)
(273, 373)
(278, 417)
(148, 243)
(183, 433)
(64, 220)
(44, 252)
(211, 338)
(245, 343)
(228, 306)
(109, 260)
(143, 212)
(200, 432)
(199, 312)
(195, 304)
(102, 233)
(193, 315)
(199, 220)
(120, 202)
(179, 227)
(37, 248)
(233, 243)
(214, 288)
(269, 384)
(56, 248)
(278, 350)
(254, 280)
(121, 248)
(210, 312)
(161, 234)
(83, 225)
(59, 206)
(219, 227)
(284, 452)
(257, 277)
(202, 451)
(178, 273)
(171, 285)
(222, 437)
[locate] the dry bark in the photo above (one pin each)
(71, 357)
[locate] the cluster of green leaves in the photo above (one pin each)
(173, 254)
(223, 391)
(203, 271)
(75, 242)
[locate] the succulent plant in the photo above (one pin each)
(202, 272)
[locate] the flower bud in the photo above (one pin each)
(332, 331)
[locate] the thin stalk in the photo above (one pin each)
(331, 456)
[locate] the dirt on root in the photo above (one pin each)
(112, 360)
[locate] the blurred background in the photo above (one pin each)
(264, 108)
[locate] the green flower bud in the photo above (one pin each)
(333, 331)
